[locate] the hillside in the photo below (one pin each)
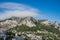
(32, 28)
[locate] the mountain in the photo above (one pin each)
(47, 22)
(13, 21)
(31, 27)
(28, 21)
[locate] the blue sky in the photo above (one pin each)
(49, 8)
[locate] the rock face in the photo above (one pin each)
(28, 21)
(13, 21)
(7, 25)
(57, 25)
(46, 22)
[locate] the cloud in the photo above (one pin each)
(18, 10)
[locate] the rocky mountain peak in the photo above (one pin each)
(13, 21)
(28, 21)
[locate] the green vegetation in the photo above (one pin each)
(1, 39)
(23, 28)
(40, 27)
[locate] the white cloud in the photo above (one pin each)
(16, 9)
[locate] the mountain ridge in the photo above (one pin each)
(28, 21)
(31, 28)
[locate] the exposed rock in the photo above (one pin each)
(14, 21)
